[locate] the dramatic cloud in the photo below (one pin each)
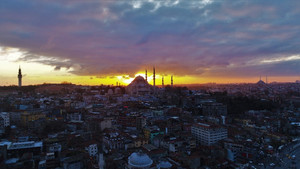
(181, 37)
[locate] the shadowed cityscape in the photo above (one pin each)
(149, 84)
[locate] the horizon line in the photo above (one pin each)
(191, 84)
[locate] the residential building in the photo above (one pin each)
(5, 117)
(208, 134)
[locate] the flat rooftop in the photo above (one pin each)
(21, 145)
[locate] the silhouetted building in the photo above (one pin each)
(139, 86)
(20, 77)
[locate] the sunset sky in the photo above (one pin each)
(107, 41)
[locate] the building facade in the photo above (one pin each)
(5, 117)
(208, 134)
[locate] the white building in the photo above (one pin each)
(208, 134)
(233, 149)
(5, 117)
(92, 149)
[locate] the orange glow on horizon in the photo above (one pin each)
(34, 73)
(124, 80)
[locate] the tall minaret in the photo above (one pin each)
(162, 82)
(153, 76)
(172, 81)
(146, 76)
(20, 77)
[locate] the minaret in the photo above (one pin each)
(146, 75)
(162, 82)
(20, 77)
(172, 81)
(153, 76)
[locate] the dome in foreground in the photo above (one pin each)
(164, 164)
(139, 160)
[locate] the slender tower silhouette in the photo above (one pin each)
(146, 75)
(20, 77)
(172, 81)
(153, 76)
(266, 79)
(162, 82)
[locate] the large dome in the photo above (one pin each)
(139, 79)
(139, 160)
(139, 86)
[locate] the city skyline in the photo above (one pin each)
(124, 81)
(104, 42)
